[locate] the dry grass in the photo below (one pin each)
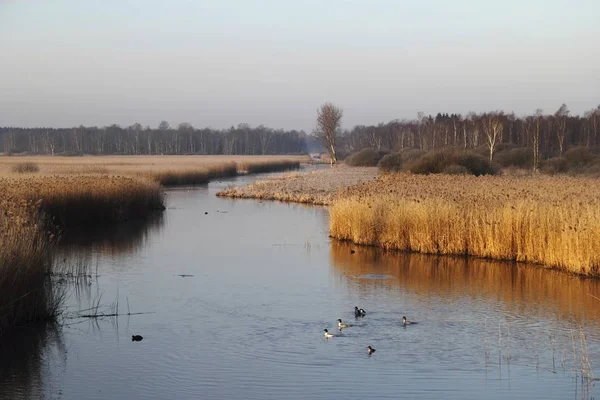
(322, 186)
(549, 221)
(76, 200)
(26, 292)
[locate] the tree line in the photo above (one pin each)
(547, 135)
(135, 139)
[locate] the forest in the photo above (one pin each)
(545, 135)
(137, 140)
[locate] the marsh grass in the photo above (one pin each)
(259, 167)
(193, 176)
(549, 221)
(27, 294)
(25, 167)
(69, 201)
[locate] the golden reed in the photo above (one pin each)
(551, 221)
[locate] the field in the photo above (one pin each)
(167, 170)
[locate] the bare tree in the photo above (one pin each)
(329, 121)
(560, 117)
(492, 129)
(535, 142)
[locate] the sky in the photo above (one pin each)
(66, 63)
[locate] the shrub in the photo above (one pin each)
(434, 162)
(521, 157)
(554, 165)
(455, 169)
(391, 162)
(578, 156)
(365, 158)
(411, 154)
(25, 167)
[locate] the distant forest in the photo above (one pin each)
(135, 139)
(546, 135)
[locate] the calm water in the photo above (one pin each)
(266, 280)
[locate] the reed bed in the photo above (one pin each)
(551, 221)
(192, 176)
(70, 201)
(26, 292)
(320, 187)
(260, 167)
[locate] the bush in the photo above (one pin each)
(436, 161)
(554, 165)
(365, 158)
(455, 169)
(409, 154)
(25, 168)
(521, 157)
(391, 162)
(578, 156)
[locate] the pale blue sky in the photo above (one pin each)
(220, 63)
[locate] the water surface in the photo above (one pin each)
(264, 281)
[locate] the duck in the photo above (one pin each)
(326, 334)
(136, 338)
(342, 325)
(407, 322)
(359, 312)
(370, 350)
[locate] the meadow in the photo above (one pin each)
(43, 196)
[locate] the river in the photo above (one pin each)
(261, 282)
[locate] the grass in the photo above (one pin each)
(551, 221)
(26, 292)
(320, 187)
(71, 201)
(25, 167)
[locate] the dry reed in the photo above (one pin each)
(76, 200)
(26, 292)
(543, 220)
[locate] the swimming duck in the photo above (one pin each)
(136, 338)
(359, 312)
(370, 350)
(342, 325)
(326, 334)
(407, 322)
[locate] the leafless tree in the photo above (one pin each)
(492, 129)
(560, 119)
(329, 121)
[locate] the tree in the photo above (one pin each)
(561, 126)
(492, 129)
(329, 121)
(535, 142)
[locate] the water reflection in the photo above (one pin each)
(523, 289)
(24, 357)
(117, 239)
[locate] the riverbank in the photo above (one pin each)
(547, 220)
(321, 187)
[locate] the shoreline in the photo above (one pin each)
(547, 221)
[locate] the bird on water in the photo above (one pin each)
(136, 338)
(370, 350)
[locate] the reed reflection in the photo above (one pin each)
(25, 358)
(522, 289)
(117, 239)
